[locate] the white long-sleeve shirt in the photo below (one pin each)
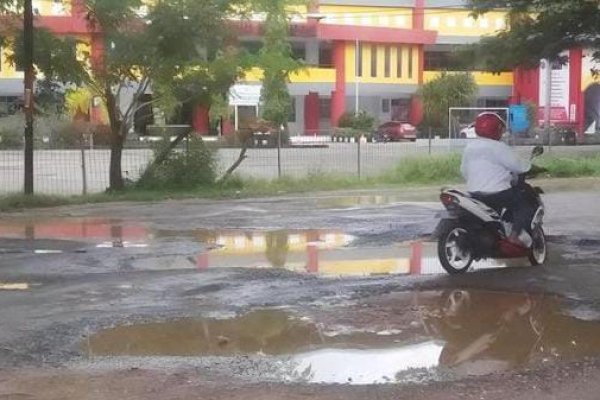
(488, 165)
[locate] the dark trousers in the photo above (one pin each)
(516, 204)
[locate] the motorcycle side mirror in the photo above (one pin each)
(537, 151)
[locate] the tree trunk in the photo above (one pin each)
(117, 138)
(116, 182)
(235, 165)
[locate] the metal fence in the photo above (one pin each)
(63, 171)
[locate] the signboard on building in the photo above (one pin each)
(559, 92)
(244, 95)
(590, 86)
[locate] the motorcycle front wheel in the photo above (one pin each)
(453, 251)
(539, 247)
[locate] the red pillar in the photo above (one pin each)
(419, 15)
(421, 61)
(200, 120)
(311, 113)
(526, 85)
(419, 24)
(576, 97)
(96, 112)
(338, 96)
(97, 49)
(416, 110)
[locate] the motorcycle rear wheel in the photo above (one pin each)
(453, 252)
(539, 249)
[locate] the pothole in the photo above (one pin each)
(434, 335)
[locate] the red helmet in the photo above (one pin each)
(489, 125)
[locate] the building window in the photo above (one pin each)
(324, 107)
(440, 61)
(410, 63)
(359, 60)
(299, 51)
(385, 106)
(399, 61)
(400, 109)
(325, 56)
(373, 60)
(492, 103)
(388, 61)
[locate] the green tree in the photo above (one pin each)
(275, 59)
(536, 30)
(180, 49)
(445, 91)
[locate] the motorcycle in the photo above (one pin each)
(471, 231)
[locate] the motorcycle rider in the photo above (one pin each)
(488, 166)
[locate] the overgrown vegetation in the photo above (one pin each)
(445, 91)
(189, 169)
(412, 172)
(563, 167)
(362, 121)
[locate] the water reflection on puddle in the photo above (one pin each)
(317, 251)
(434, 335)
(359, 200)
(14, 286)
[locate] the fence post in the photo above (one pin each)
(429, 140)
(358, 158)
(83, 167)
(279, 151)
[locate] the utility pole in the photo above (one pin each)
(29, 77)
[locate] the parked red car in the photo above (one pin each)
(395, 131)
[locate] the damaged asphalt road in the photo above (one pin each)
(289, 297)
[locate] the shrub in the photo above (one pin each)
(183, 169)
(361, 121)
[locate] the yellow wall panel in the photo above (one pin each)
(51, 7)
(460, 22)
(305, 75)
(481, 78)
(390, 17)
(7, 70)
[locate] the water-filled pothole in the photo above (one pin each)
(325, 252)
(452, 333)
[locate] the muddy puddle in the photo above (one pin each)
(434, 335)
(329, 253)
(359, 201)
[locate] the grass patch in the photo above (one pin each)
(20, 201)
(562, 167)
(412, 172)
(425, 170)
